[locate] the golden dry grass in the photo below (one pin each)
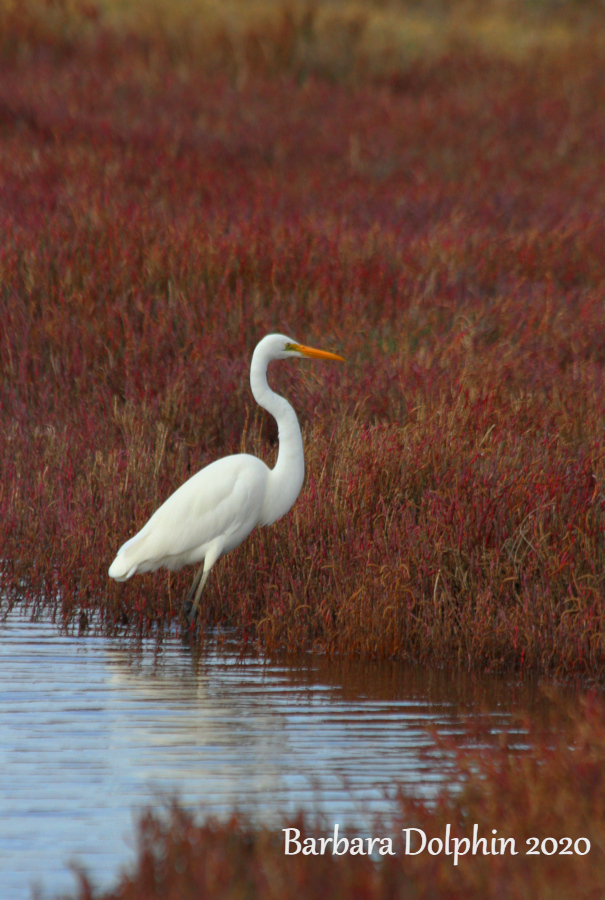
(350, 39)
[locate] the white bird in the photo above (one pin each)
(219, 506)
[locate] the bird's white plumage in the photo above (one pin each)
(222, 501)
(216, 509)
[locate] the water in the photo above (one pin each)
(92, 730)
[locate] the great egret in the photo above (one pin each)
(219, 506)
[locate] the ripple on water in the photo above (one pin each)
(92, 730)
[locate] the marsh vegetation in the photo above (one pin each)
(430, 195)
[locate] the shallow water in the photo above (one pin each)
(92, 730)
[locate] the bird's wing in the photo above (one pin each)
(219, 501)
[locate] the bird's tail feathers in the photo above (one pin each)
(126, 563)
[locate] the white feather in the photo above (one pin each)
(216, 509)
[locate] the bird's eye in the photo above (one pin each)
(290, 347)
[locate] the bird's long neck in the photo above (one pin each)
(285, 480)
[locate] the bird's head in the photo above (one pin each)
(278, 346)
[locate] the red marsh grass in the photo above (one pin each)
(553, 791)
(442, 229)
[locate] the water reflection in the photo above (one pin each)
(92, 730)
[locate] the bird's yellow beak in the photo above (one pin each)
(315, 354)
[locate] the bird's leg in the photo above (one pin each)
(198, 595)
(199, 582)
(188, 602)
(194, 584)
